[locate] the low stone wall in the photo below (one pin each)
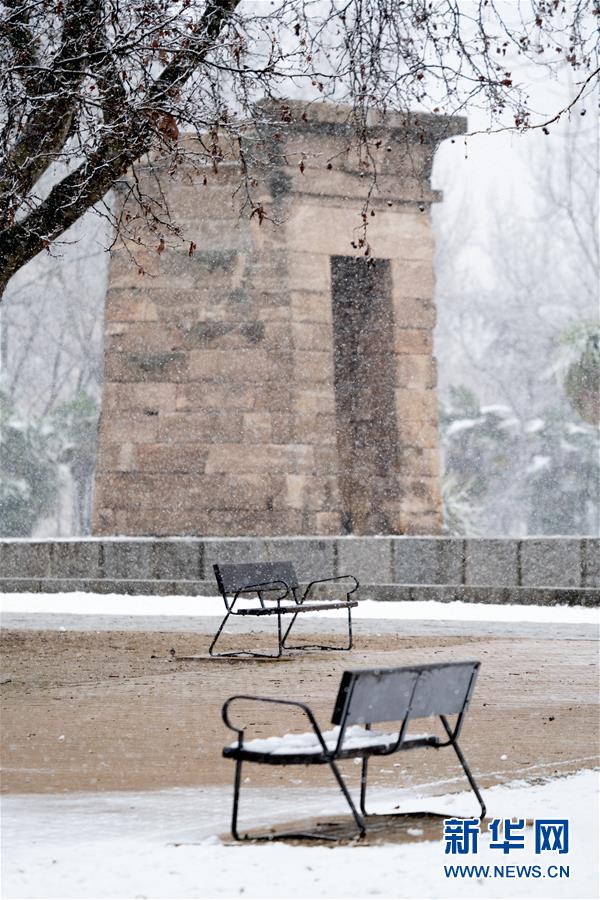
(542, 570)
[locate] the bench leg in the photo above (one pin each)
(363, 785)
(463, 762)
(236, 803)
(466, 769)
(287, 631)
(236, 799)
(342, 784)
(246, 653)
(216, 637)
(318, 646)
(470, 777)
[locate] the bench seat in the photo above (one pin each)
(296, 608)
(306, 748)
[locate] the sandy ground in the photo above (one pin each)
(117, 710)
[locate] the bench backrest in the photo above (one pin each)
(232, 577)
(412, 692)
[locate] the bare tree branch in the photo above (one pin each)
(88, 87)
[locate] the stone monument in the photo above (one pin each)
(278, 380)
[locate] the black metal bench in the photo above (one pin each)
(274, 583)
(365, 697)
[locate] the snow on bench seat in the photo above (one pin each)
(356, 738)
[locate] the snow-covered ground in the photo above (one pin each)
(165, 844)
(79, 602)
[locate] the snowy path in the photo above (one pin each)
(107, 612)
(79, 602)
(164, 844)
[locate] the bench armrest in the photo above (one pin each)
(295, 703)
(327, 580)
(259, 588)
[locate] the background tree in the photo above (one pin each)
(518, 277)
(517, 298)
(89, 87)
(506, 476)
(51, 341)
(75, 429)
(43, 457)
(581, 366)
(28, 472)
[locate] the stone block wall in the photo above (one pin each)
(528, 570)
(221, 410)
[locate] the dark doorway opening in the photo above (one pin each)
(364, 371)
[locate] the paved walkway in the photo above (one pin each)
(105, 705)
(208, 624)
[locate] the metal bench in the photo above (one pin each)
(365, 697)
(273, 583)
